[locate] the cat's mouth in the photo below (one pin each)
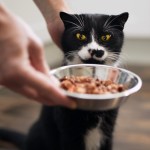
(93, 61)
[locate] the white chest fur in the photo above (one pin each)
(93, 139)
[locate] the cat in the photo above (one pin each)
(96, 39)
(91, 39)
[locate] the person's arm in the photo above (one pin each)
(23, 68)
(50, 9)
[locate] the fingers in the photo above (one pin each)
(45, 85)
(36, 55)
(31, 93)
(45, 89)
(24, 90)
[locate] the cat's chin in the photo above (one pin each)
(92, 61)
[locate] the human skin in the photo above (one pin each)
(50, 10)
(23, 67)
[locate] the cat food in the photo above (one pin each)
(89, 85)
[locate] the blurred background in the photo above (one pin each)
(137, 28)
(133, 124)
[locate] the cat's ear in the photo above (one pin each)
(68, 19)
(119, 20)
(123, 18)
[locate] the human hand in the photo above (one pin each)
(50, 10)
(23, 68)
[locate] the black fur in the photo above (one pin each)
(63, 129)
(13, 137)
(94, 23)
(60, 128)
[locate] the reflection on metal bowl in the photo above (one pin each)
(131, 81)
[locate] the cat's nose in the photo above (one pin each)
(96, 53)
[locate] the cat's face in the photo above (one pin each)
(92, 38)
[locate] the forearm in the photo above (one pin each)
(50, 10)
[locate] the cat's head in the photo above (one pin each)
(92, 38)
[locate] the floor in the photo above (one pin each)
(133, 123)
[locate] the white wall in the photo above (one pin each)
(137, 26)
(139, 10)
(31, 14)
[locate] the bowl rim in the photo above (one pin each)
(100, 96)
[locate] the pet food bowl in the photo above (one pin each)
(130, 81)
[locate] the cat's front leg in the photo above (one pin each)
(79, 130)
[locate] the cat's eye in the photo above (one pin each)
(81, 37)
(106, 37)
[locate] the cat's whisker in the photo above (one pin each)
(78, 19)
(114, 26)
(119, 63)
(74, 55)
(82, 20)
(111, 21)
(72, 23)
(75, 28)
(105, 24)
(71, 53)
(113, 56)
(123, 57)
(111, 27)
(122, 61)
(109, 62)
(109, 30)
(116, 57)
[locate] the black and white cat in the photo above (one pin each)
(88, 38)
(96, 39)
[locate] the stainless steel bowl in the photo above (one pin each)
(131, 81)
